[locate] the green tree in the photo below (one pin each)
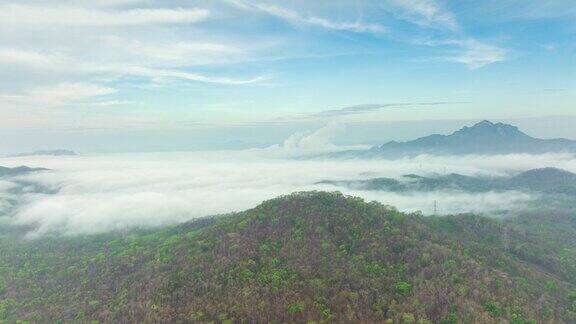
(403, 287)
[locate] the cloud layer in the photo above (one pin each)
(102, 193)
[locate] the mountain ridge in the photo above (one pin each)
(541, 180)
(483, 138)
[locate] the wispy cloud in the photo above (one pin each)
(431, 14)
(366, 108)
(75, 50)
(111, 103)
(109, 3)
(156, 65)
(426, 13)
(28, 16)
(183, 75)
(179, 52)
(26, 57)
(56, 95)
(299, 20)
(529, 9)
(473, 53)
(554, 90)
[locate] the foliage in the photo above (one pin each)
(308, 256)
(403, 287)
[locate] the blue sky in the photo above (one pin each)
(136, 69)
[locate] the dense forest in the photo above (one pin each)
(305, 257)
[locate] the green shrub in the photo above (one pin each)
(493, 308)
(327, 313)
(296, 307)
(452, 318)
(403, 287)
(408, 318)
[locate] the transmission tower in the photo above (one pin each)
(506, 239)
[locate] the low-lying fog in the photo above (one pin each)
(98, 193)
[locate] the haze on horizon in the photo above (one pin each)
(146, 75)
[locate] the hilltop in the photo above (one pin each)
(484, 138)
(309, 256)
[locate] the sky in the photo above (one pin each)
(146, 75)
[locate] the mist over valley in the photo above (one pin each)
(98, 193)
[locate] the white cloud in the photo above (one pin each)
(475, 54)
(30, 16)
(312, 143)
(87, 3)
(109, 3)
(529, 9)
(471, 52)
(54, 54)
(65, 92)
(432, 14)
(109, 103)
(164, 73)
(179, 52)
(299, 20)
(151, 63)
(426, 13)
(56, 95)
(24, 57)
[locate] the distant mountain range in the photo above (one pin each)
(545, 180)
(484, 138)
(46, 152)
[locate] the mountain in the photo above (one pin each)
(305, 257)
(8, 172)
(47, 152)
(482, 138)
(546, 180)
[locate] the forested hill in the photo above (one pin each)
(304, 257)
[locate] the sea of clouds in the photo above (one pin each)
(97, 193)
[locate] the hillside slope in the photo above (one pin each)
(304, 257)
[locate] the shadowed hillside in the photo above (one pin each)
(308, 256)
